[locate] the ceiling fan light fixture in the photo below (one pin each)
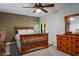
(40, 7)
(38, 10)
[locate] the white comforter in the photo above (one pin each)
(17, 37)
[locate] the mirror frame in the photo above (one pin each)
(67, 22)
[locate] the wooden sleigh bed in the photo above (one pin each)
(28, 42)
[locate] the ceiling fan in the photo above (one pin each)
(39, 7)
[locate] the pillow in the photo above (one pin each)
(29, 31)
(21, 31)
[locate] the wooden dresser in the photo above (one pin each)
(68, 44)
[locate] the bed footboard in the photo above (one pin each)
(31, 41)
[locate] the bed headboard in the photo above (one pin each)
(22, 27)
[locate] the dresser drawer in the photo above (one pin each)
(75, 52)
(60, 47)
(64, 43)
(75, 40)
(64, 48)
(67, 44)
(67, 39)
(59, 41)
(67, 49)
(58, 38)
(75, 46)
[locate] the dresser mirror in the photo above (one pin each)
(72, 24)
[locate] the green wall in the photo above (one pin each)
(9, 21)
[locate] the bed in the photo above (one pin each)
(27, 40)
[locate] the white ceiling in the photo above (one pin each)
(17, 8)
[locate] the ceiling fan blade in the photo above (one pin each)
(44, 10)
(34, 11)
(36, 5)
(50, 5)
(32, 7)
(40, 5)
(29, 7)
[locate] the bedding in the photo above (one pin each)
(21, 31)
(29, 31)
(17, 37)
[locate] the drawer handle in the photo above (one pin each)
(76, 46)
(67, 39)
(67, 49)
(67, 43)
(60, 42)
(76, 52)
(60, 46)
(76, 40)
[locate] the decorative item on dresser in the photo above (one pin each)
(27, 42)
(69, 41)
(2, 41)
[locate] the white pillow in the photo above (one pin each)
(21, 31)
(29, 31)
